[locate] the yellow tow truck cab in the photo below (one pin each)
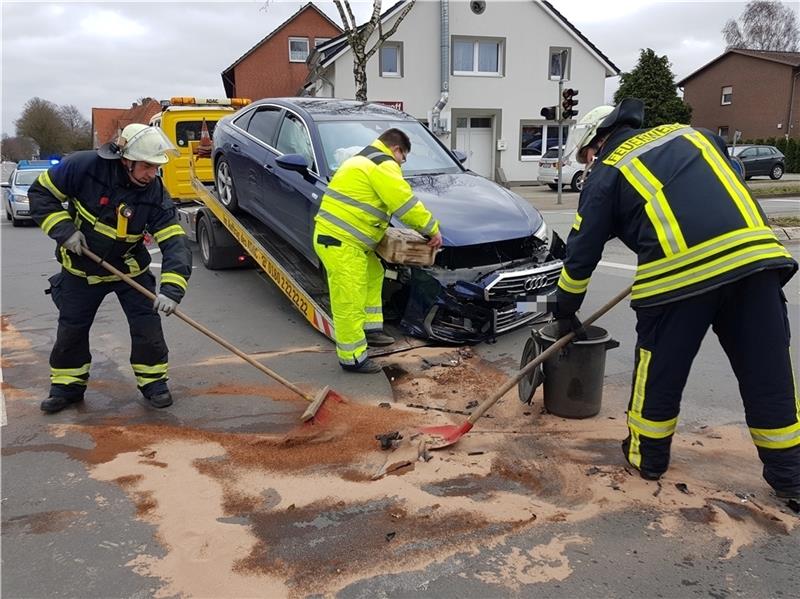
(181, 118)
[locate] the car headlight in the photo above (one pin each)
(541, 232)
(20, 198)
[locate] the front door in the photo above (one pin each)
(474, 137)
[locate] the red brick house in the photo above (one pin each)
(276, 66)
(753, 91)
(107, 123)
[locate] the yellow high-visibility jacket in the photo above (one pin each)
(364, 194)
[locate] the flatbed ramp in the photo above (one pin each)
(300, 281)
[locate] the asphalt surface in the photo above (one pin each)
(67, 534)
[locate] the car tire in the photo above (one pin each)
(577, 182)
(776, 172)
(552, 186)
(226, 192)
(528, 384)
(213, 257)
(8, 215)
(16, 222)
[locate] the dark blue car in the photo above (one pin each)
(274, 159)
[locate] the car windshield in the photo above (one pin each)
(343, 139)
(26, 177)
(735, 151)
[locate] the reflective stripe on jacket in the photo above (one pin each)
(93, 188)
(364, 194)
(670, 195)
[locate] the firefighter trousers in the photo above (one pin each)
(77, 302)
(749, 317)
(355, 283)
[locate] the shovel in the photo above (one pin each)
(447, 435)
(316, 401)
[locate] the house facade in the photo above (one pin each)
(276, 66)
(752, 91)
(496, 60)
(108, 123)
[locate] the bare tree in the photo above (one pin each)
(763, 25)
(17, 148)
(41, 121)
(358, 38)
(79, 130)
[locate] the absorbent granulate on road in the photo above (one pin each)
(297, 512)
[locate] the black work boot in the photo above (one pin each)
(366, 367)
(52, 404)
(379, 339)
(160, 400)
(645, 472)
(788, 494)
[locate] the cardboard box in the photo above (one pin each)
(404, 246)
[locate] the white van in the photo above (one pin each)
(571, 170)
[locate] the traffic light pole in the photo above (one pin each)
(560, 141)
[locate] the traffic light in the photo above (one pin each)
(568, 105)
(550, 113)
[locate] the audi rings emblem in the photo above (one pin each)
(534, 283)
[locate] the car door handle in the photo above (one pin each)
(235, 147)
(269, 167)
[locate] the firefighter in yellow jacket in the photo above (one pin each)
(363, 196)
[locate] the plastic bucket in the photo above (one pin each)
(573, 378)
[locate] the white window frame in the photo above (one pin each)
(392, 74)
(318, 41)
(544, 125)
(475, 56)
(298, 39)
(728, 93)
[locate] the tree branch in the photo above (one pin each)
(384, 36)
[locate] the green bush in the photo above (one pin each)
(792, 153)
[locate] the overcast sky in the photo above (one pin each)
(110, 54)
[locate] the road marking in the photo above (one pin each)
(790, 201)
(617, 265)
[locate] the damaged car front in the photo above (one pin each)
(496, 271)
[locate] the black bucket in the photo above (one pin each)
(573, 378)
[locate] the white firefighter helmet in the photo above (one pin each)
(139, 142)
(585, 131)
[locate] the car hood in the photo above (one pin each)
(20, 189)
(472, 209)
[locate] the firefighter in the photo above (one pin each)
(113, 196)
(364, 194)
(706, 258)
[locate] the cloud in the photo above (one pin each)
(109, 23)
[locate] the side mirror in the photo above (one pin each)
(5, 184)
(293, 162)
(460, 156)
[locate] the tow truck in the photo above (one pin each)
(230, 241)
(184, 119)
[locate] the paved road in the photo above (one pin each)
(71, 530)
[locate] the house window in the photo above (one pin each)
(391, 59)
(318, 41)
(722, 132)
(298, 49)
(727, 95)
(478, 56)
(538, 137)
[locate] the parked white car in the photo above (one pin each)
(571, 170)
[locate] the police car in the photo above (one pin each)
(15, 189)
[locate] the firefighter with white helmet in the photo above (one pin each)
(706, 258)
(113, 197)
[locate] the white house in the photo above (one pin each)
(478, 73)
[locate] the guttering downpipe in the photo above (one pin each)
(444, 56)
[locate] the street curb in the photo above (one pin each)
(790, 233)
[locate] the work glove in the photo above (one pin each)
(164, 304)
(570, 324)
(75, 243)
